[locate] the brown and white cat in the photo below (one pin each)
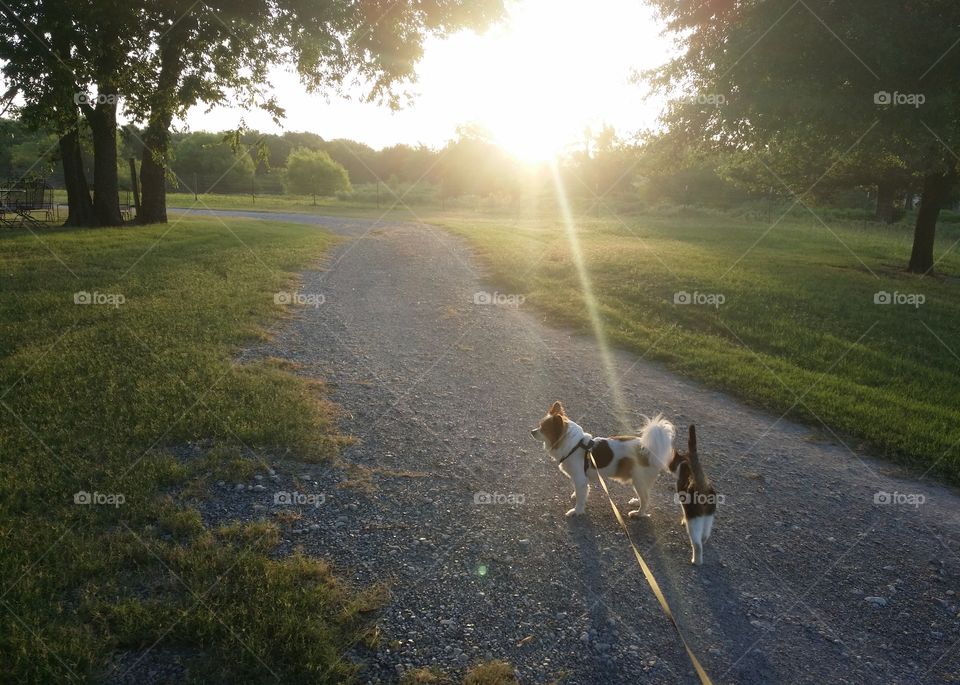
(696, 496)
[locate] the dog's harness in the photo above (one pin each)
(587, 445)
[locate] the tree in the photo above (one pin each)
(359, 159)
(214, 51)
(607, 165)
(157, 58)
(109, 39)
(313, 172)
(36, 40)
(207, 52)
(821, 76)
(473, 165)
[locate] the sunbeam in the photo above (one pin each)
(593, 310)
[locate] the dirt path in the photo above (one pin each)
(806, 579)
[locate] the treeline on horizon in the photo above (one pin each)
(607, 168)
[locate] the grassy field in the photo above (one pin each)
(91, 397)
(395, 200)
(799, 330)
(263, 203)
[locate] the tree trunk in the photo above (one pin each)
(936, 189)
(106, 189)
(153, 172)
(886, 199)
(80, 207)
(156, 140)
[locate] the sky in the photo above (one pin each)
(535, 82)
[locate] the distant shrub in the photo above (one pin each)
(313, 172)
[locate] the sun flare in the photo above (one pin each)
(551, 71)
(536, 82)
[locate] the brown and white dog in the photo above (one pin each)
(697, 498)
(635, 459)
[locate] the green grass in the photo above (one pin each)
(304, 204)
(798, 332)
(285, 203)
(92, 397)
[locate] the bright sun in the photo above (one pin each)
(536, 82)
(550, 72)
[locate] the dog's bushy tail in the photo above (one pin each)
(699, 477)
(656, 436)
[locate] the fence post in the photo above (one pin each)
(136, 188)
(194, 186)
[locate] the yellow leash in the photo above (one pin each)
(704, 678)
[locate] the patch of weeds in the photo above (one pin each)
(425, 676)
(491, 673)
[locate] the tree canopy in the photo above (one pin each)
(155, 59)
(822, 85)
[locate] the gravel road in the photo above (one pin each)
(810, 577)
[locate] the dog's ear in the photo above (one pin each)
(557, 408)
(552, 428)
(692, 440)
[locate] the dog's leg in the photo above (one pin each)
(708, 527)
(644, 502)
(582, 490)
(573, 495)
(695, 533)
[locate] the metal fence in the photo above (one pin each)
(226, 184)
